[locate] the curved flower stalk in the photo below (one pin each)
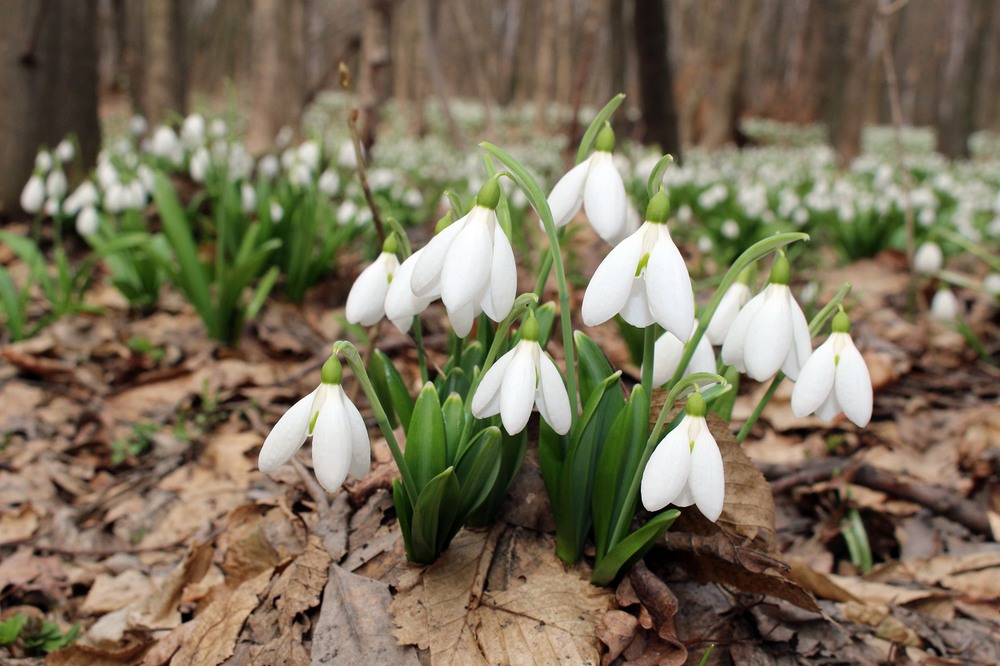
(340, 438)
(471, 263)
(644, 279)
(835, 379)
(595, 185)
(367, 298)
(770, 333)
(524, 376)
(667, 355)
(686, 467)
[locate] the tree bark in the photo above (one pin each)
(278, 70)
(165, 58)
(49, 79)
(656, 88)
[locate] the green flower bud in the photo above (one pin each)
(605, 139)
(781, 272)
(332, 371)
(658, 210)
(529, 328)
(696, 405)
(391, 244)
(841, 323)
(489, 194)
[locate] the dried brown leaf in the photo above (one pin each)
(355, 625)
(19, 524)
(109, 593)
(216, 628)
(616, 630)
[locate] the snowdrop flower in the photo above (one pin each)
(137, 125)
(991, 284)
(329, 183)
(55, 184)
(218, 128)
(686, 467)
(51, 207)
(248, 198)
(524, 376)
(944, 305)
(366, 301)
(401, 305)
(644, 279)
(277, 212)
(667, 354)
(146, 176)
(770, 333)
(346, 212)
(340, 438)
(83, 196)
(308, 153)
(928, 258)
(165, 144)
(835, 379)
(87, 221)
(193, 131)
(115, 198)
(33, 194)
(735, 298)
(65, 151)
(596, 185)
(199, 165)
(730, 229)
(43, 161)
(268, 167)
(472, 263)
(346, 157)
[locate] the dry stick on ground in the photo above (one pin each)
(940, 500)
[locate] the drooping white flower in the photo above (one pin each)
(401, 304)
(33, 194)
(137, 125)
(472, 263)
(268, 167)
(644, 278)
(84, 195)
(944, 305)
(835, 379)
(686, 467)
(991, 284)
(217, 128)
(87, 221)
(340, 438)
(524, 376)
(65, 151)
(596, 185)
(55, 184)
(770, 333)
(43, 162)
(667, 354)
(248, 198)
(928, 258)
(199, 164)
(366, 301)
(277, 212)
(193, 131)
(165, 144)
(329, 183)
(735, 298)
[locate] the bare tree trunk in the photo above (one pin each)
(48, 75)
(722, 126)
(373, 80)
(565, 50)
(544, 66)
(165, 71)
(475, 45)
(656, 87)
(956, 107)
(508, 50)
(434, 69)
(586, 48)
(278, 70)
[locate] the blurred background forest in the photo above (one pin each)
(693, 69)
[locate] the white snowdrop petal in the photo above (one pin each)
(517, 394)
(567, 195)
(552, 394)
(703, 359)
(503, 276)
(707, 479)
(853, 385)
(667, 470)
(734, 346)
(666, 357)
(830, 407)
(332, 443)
(401, 305)
(462, 319)
(815, 382)
(287, 435)
(668, 285)
(636, 308)
(426, 275)
(604, 199)
(366, 300)
(725, 314)
(465, 275)
(486, 402)
(768, 337)
(361, 450)
(801, 346)
(609, 288)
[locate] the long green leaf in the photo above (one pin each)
(190, 274)
(434, 515)
(622, 557)
(426, 446)
(478, 471)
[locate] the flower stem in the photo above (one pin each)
(759, 409)
(350, 354)
(648, 344)
(418, 338)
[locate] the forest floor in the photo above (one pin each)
(130, 503)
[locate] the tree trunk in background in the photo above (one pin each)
(374, 82)
(164, 62)
(722, 124)
(967, 20)
(48, 75)
(656, 88)
(408, 71)
(277, 71)
(544, 66)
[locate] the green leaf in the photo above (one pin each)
(10, 629)
(454, 422)
(390, 389)
(262, 291)
(426, 447)
(478, 471)
(404, 514)
(623, 556)
(656, 175)
(434, 515)
(594, 367)
(617, 466)
(590, 136)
